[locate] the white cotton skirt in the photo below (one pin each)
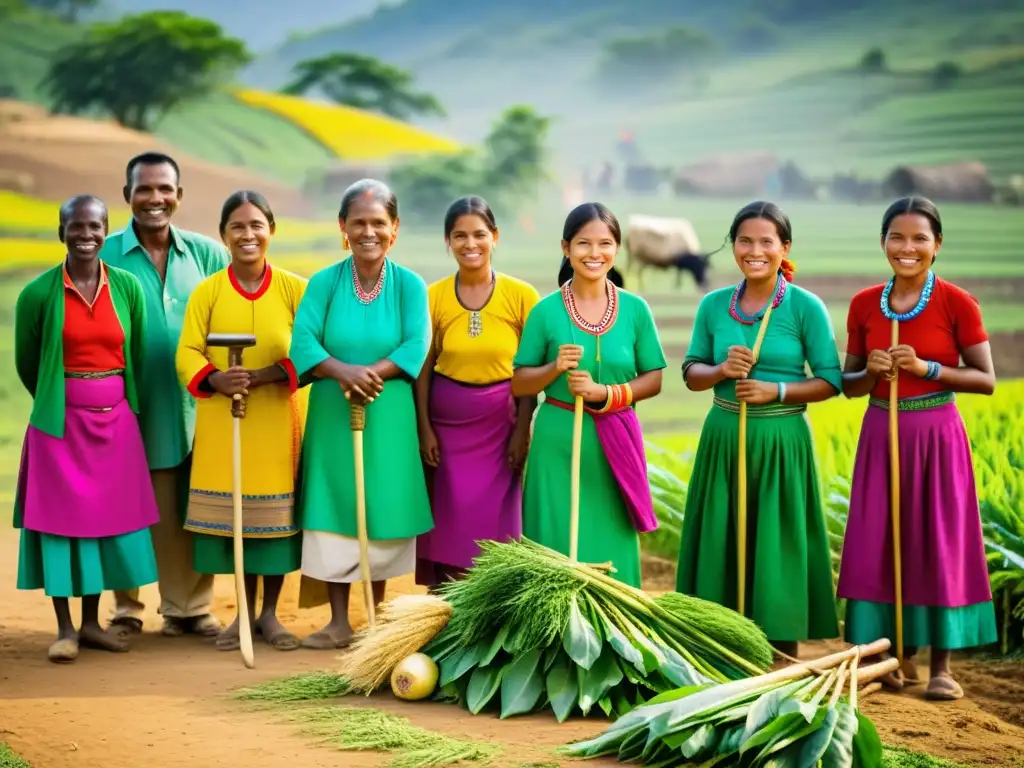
(335, 558)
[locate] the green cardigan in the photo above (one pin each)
(39, 341)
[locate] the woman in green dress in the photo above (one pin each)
(590, 339)
(363, 331)
(789, 590)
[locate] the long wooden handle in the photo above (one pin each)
(741, 486)
(894, 496)
(574, 492)
(244, 625)
(357, 420)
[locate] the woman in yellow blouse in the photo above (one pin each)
(473, 434)
(247, 297)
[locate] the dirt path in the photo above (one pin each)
(164, 703)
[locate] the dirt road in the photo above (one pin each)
(164, 703)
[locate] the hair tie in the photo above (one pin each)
(788, 269)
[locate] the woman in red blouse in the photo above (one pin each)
(947, 602)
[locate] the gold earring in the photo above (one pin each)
(344, 242)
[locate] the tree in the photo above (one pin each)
(68, 10)
(365, 83)
(873, 61)
(636, 59)
(510, 167)
(142, 67)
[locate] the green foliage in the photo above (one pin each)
(531, 630)
(11, 759)
(761, 721)
(142, 67)
(672, 52)
(946, 73)
(363, 82)
(509, 168)
(873, 61)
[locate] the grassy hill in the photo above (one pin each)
(221, 129)
(784, 76)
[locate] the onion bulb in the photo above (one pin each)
(414, 678)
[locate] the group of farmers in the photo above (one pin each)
(126, 476)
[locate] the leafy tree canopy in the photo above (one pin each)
(365, 83)
(142, 67)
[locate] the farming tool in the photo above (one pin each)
(236, 342)
(741, 490)
(357, 421)
(894, 495)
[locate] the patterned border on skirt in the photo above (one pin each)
(265, 516)
(761, 411)
(920, 403)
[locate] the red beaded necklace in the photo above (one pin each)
(740, 316)
(363, 296)
(606, 321)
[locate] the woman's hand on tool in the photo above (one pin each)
(880, 363)
(739, 362)
(233, 381)
(754, 392)
(905, 358)
(582, 385)
(362, 380)
(569, 356)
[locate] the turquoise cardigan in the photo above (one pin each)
(39, 341)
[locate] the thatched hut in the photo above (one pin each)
(738, 174)
(954, 183)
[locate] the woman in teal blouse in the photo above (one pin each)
(789, 570)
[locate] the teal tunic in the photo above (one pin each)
(331, 322)
(630, 347)
(789, 590)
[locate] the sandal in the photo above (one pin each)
(126, 625)
(943, 688)
(63, 651)
(282, 641)
(325, 641)
(205, 625)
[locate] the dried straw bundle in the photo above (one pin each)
(405, 625)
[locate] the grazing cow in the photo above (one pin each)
(664, 243)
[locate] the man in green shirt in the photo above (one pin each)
(169, 263)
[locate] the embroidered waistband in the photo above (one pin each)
(762, 411)
(920, 403)
(93, 374)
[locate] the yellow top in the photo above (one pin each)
(275, 414)
(485, 358)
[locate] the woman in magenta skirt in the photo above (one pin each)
(947, 601)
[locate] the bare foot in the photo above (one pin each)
(65, 649)
(95, 637)
(330, 638)
(229, 639)
(275, 634)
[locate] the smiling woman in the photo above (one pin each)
(788, 584)
(248, 297)
(84, 502)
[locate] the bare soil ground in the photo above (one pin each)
(55, 157)
(166, 701)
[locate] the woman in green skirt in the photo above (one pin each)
(789, 591)
(84, 501)
(590, 339)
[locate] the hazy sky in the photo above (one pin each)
(261, 23)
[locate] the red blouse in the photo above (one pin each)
(93, 337)
(950, 323)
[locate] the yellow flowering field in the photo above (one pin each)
(351, 133)
(26, 253)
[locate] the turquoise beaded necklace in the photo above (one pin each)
(903, 317)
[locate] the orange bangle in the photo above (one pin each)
(608, 401)
(629, 395)
(620, 397)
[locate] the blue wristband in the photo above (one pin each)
(782, 392)
(933, 371)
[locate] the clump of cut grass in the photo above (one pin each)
(532, 629)
(407, 623)
(308, 686)
(365, 729)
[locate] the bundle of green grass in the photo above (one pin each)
(532, 630)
